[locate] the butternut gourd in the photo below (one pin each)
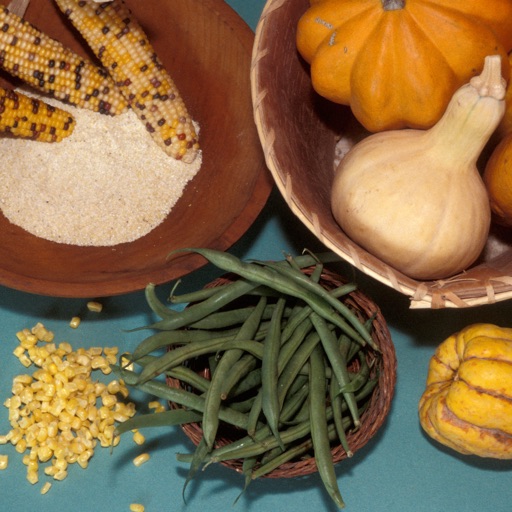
(398, 62)
(414, 198)
(467, 403)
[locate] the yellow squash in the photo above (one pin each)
(467, 403)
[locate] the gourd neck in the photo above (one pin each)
(393, 5)
(471, 117)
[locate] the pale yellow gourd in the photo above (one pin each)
(415, 198)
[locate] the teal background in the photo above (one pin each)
(400, 470)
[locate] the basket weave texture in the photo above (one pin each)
(299, 132)
(384, 365)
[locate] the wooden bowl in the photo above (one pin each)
(384, 366)
(208, 47)
(299, 133)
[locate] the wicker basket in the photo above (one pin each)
(299, 133)
(379, 403)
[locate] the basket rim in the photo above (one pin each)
(461, 291)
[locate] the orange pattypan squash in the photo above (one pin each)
(467, 404)
(505, 127)
(397, 63)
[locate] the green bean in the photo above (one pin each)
(179, 355)
(200, 310)
(164, 339)
(339, 421)
(197, 460)
(262, 433)
(248, 466)
(155, 304)
(196, 295)
(318, 290)
(295, 402)
(360, 378)
(231, 317)
(247, 383)
(255, 412)
(242, 405)
(239, 370)
(321, 302)
(271, 407)
(337, 363)
(255, 348)
(162, 419)
(190, 377)
(213, 397)
(305, 310)
(291, 344)
(260, 446)
(295, 364)
(180, 397)
(307, 260)
(317, 273)
(292, 453)
(319, 426)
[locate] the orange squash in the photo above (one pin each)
(397, 63)
(497, 178)
(505, 127)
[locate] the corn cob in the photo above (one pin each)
(44, 63)
(22, 116)
(125, 51)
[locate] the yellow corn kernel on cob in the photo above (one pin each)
(22, 116)
(44, 63)
(120, 43)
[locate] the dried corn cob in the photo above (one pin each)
(44, 63)
(22, 116)
(124, 49)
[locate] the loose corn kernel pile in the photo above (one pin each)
(120, 43)
(22, 116)
(58, 414)
(46, 64)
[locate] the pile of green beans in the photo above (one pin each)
(288, 372)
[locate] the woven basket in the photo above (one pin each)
(300, 132)
(379, 403)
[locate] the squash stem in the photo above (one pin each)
(393, 5)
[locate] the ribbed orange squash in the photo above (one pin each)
(397, 63)
(467, 404)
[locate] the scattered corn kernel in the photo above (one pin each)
(46, 487)
(94, 306)
(4, 461)
(138, 438)
(137, 507)
(59, 414)
(74, 322)
(141, 459)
